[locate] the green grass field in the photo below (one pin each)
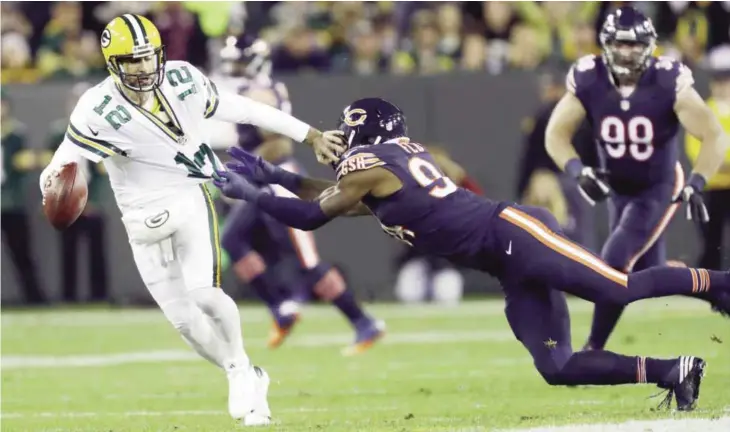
(438, 369)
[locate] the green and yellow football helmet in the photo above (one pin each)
(132, 39)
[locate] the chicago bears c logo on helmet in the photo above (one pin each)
(106, 38)
(355, 117)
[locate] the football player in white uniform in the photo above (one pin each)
(146, 123)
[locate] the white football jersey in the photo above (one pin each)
(146, 158)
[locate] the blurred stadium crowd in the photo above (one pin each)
(45, 40)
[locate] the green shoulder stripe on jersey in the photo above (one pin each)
(100, 147)
(211, 105)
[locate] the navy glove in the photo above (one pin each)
(256, 169)
(692, 195)
(236, 186)
(253, 167)
(591, 182)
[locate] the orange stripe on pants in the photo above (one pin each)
(663, 222)
(568, 249)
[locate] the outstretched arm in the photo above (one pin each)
(308, 188)
(339, 200)
(259, 170)
(699, 121)
(234, 108)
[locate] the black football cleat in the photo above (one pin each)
(685, 387)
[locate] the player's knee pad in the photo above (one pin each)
(552, 376)
(180, 313)
(553, 371)
(250, 266)
(214, 302)
(412, 283)
(448, 286)
(622, 248)
(616, 258)
(330, 286)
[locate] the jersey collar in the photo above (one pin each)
(180, 138)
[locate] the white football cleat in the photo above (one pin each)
(241, 390)
(260, 415)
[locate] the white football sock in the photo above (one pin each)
(196, 330)
(223, 312)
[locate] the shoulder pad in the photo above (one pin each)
(177, 64)
(358, 159)
(176, 72)
(672, 74)
(206, 92)
(582, 74)
(89, 128)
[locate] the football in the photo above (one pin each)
(65, 194)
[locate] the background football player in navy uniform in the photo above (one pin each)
(385, 174)
(281, 264)
(635, 103)
(541, 183)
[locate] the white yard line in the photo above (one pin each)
(324, 340)
(179, 413)
(257, 314)
(721, 424)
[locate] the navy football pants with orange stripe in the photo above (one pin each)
(636, 242)
(540, 262)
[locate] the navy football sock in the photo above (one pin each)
(605, 318)
(666, 281)
(598, 368)
(347, 304)
(607, 368)
(658, 371)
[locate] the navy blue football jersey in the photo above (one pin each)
(430, 212)
(635, 128)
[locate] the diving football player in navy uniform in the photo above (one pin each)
(280, 263)
(635, 103)
(385, 174)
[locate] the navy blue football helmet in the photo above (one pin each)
(372, 121)
(628, 39)
(246, 56)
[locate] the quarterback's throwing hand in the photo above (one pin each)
(236, 186)
(328, 147)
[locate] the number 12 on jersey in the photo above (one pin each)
(199, 160)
